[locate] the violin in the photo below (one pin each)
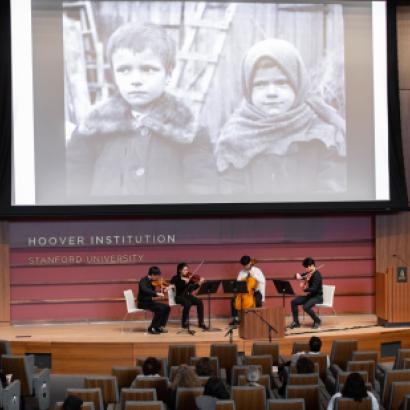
(161, 285)
(306, 277)
(194, 278)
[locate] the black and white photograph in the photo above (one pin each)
(204, 102)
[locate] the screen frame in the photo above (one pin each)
(398, 193)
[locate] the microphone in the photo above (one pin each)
(399, 258)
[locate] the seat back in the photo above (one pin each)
(249, 397)
(344, 403)
(406, 364)
(263, 360)
(400, 375)
(342, 351)
(264, 380)
(406, 402)
(328, 295)
(180, 354)
(310, 393)
(225, 405)
(89, 395)
(108, 386)
(125, 375)
(144, 405)
(321, 360)
(160, 384)
(397, 393)
(286, 404)
(342, 376)
(5, 348)
(359, 355)
(130, 300)
(128, 394)
(308, 378)
(238, 370)
(21, 368)
(368, 366)
(227, 354)
(300, 347)
(263, 348)
(214, 362)
(401, 355)
(173, 370)
(185, 398)
(10, 396)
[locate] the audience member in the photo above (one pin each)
(204, 367)
(72, 403)
(215, 389)
(354, 388)
(184, 377)
(303, 366)
(315, 345)
(151, 367)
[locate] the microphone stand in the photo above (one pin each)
(230, 333)
(270, 327)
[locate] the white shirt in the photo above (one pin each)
(257, 274)
(375, 403)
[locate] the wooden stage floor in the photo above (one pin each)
(97, 347)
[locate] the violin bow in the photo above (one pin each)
(198, 267)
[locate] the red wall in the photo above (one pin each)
(88, 291)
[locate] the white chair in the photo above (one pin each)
(328, 298)
(131, 306)
(171, 296)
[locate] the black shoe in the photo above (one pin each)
(185, 325)
(294, 325)
(203, 326)
(234, 322)
(162, 330)
(154, 331)
(316, 324)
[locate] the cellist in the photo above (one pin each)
(249, 270)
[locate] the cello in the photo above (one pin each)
(247, 300)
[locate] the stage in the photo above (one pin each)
(97, 347)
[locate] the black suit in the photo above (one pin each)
(183, 297)
(314, 295)
(145, 294)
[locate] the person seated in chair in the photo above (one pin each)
(303, 366)
(215, 389)
(150, 368)
(146, 295)
(315, 344)
(249, 270)
(312, 286)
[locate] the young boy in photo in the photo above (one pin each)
(142, 140)
(281, 138)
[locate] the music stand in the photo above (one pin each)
(284, 288)
(207, 288)
(235, 287)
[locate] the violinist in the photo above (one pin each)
(147, 291)
(312, 285)
(186, 283)
(249, 270)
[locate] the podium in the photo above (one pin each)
(393, 297)
(252, 327)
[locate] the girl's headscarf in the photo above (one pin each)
(250, 132)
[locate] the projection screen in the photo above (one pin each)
(143, 102)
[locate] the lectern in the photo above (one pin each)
(253, 326)
(393, 297)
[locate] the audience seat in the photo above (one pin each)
(342, 352)
(285, 404)
(315, 398)
(359, 355)
(160, 384)
(263, 348)
(185, 398)
(180, 354)
(130, 394)
(225, 405)
(237, 370)
(398, 391)
(400, 375)
(349, 404)
(249, 397)
(35, 383)
(265, 361)
(87, 405)
(108, 386)
(125, 375)
(227, 354)
(299, 347)
(145, 405)
(88, 395)
(10, 396)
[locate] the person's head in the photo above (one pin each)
(142, 58)
(204, 367)
(309, 264)
(304, 365)
(354, 387)
(274, 76)
(151, 366)
(154, 272)
(182, 269)
(215, 387)
(246, 262)
(253, 374)
(315, 344)
(72, 403)
(185, 377)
